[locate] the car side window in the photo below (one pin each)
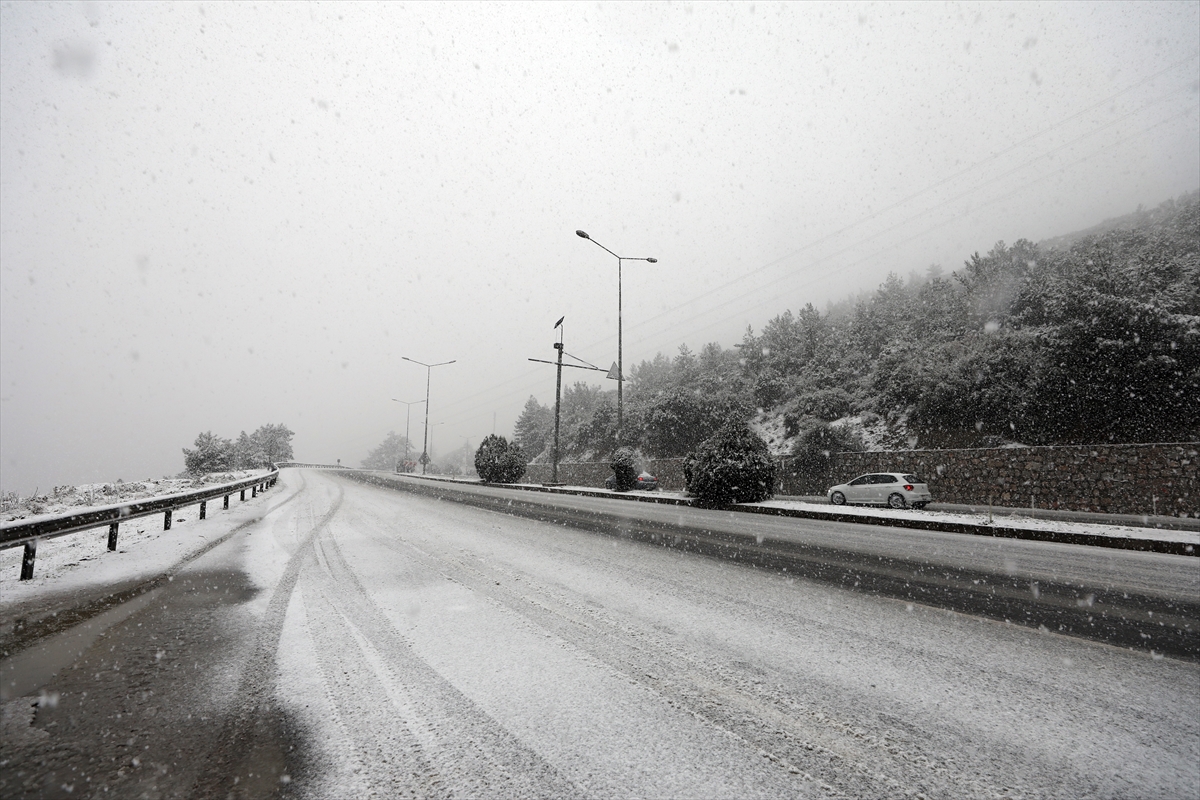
(912, 479)
(860, 480)
(882, 479)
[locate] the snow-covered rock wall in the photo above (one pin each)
(1114, 479)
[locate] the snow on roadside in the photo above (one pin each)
(73, 499)
(1015, 522)
(82, 560)
(981, 519)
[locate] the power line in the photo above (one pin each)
(984, 204)
(526, 379)
(943, 181)
(640, 326)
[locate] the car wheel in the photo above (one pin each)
(838, 499)
(895, 500)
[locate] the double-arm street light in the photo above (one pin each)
(407, 419)
(620, 361)
(428, 371)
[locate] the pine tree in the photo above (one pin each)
(534, 429)
(212, 454)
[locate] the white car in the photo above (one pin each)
(893, 489)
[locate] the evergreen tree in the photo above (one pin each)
(389, 454)
(534, 430)
(275, 442)
(247, 452)
(497, 461)
(211, 454)
(733, 466)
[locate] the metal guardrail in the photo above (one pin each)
(30, 532)
(303, 465)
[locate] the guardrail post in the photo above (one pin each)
(167, 520)
(254, 490)
(243, 495)
(203, 506)
(112, 535)
(226, 506)
(27, 561)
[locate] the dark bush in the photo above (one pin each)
(679, 420)
(734, 466)
(813, 453)
(815, 446)
(497, 461)
(771, 388)
(624, 466)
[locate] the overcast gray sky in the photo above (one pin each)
(215, 216)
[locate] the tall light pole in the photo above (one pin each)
(558, 389)
(407, 418)
(428, 371)
(620, 355)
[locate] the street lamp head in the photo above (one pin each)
(652, 260)
(582, 234)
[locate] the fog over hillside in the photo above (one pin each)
(215, 216)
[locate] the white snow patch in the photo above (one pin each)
(1017, 522)
(82, 560)
(773, 430)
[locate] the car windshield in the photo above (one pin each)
(439, 399)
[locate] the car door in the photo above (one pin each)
(859, 490)
(883, 486)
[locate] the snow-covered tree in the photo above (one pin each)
(534, 430)
(734, 466)
(388, 454)
(275, 441)
(497, 461)
(212, 454)
(247, 452)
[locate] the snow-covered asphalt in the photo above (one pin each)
(362, 642)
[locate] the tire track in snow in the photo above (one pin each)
(838, 753)
(247, 761)
(434, 741)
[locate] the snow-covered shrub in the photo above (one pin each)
(497, 461)
(733, 466)
(624, 466)
(212, 453)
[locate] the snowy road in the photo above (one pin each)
(360, 642)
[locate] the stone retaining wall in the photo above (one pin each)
(1111, 479)
(669, 472)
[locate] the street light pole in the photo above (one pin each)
(558, 390)
(407, 420)
(428, 372)
(620, 343)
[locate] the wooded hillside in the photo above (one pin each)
(1082, 340)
